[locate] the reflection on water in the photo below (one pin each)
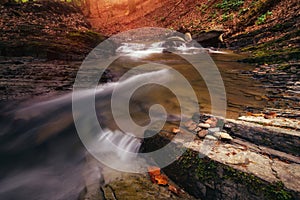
(242, 91)
(41, 154)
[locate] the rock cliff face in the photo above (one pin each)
(52, 30)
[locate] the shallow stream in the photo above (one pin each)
(42, 156)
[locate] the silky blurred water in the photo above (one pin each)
(41, 154)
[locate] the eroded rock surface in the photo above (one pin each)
(244, 167)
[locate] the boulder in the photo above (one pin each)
(209, 38)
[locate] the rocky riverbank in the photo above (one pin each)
(42, 45)
(283, 87)
(245, 160)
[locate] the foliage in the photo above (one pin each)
(228, 5)
(226, 17)
(262, 19)
(202, 8)
(276, 191)
(242, 11)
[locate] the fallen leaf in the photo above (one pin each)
(258, 115)
(270, 115)
(153, 170)
(173, 189)
(161, 179)
(156, 176)
(249, 114)
(175, 130)
(254, 114)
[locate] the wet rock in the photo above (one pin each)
(212, 122)
(202, 133)
(238, 159)
(198, 129)
(223, 136)
(278, 138)
(188, 37)
(192, 127)
(203, 125)
(213, 130)
(208, 37)
(211, 137)
(236, 169)
(137, 186)
(265, 119)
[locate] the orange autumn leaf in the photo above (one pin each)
(175, 130)
(161, 179)
(248, 114)
(258, 115)
(153, 170)
(270, 115)
(156, 176)
(152, 178)
(173, 189)
(255, 114)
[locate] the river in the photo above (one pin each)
(42, 156)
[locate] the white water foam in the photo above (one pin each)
(140, 50)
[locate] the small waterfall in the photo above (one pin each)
(124, 143)
(173, 44)
(42, 155)
(139, 50)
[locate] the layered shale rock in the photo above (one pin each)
(259, 162)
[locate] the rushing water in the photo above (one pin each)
(42, 156)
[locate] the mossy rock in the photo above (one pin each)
(88, 37)
(207, 179)
(257, 9)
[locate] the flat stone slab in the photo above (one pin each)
(293, 124)
(246, 159)
(258, 161)
(275, 134)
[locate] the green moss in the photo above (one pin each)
(262, 19)
(274, 191)
(284, 66)
(88, 36)
(204, 168)
(191, 169)
(257, 8)
(227, 5)
(252, 182)
(275, 51)
(272, 56)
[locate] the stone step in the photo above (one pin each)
(279, 133)
(260, 162)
